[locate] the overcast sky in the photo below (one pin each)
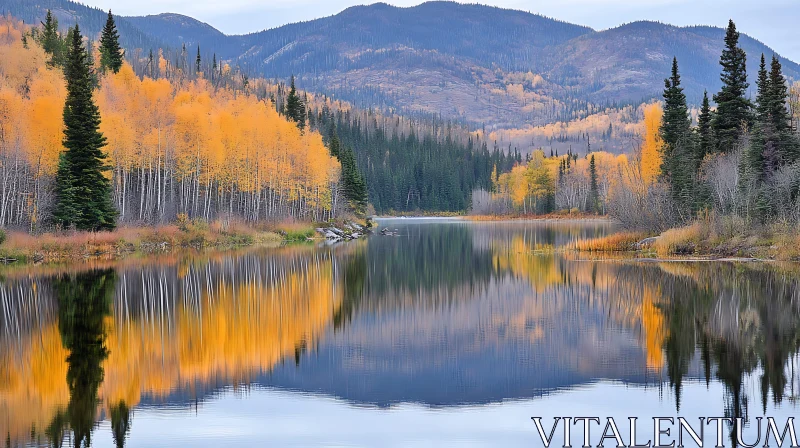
(775, 22)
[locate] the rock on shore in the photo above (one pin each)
(347, 232)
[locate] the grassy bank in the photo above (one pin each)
(727, 238)
(723, 237)
(21, 247)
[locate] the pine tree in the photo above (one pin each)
(198, 61)
(51, 41)
(295, 109)
(773, 143)
(705, 133)
(678, 162)
(752, 165)
(355, 189)
(83, 193)
(110, 50)
(788, 148)
(214, 67)
(151, 63)
(594, 193)
(733, 114)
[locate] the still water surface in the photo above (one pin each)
(446, 334)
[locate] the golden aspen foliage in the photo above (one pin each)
(174, 145)
(651, 144)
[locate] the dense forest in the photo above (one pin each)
(415, 170)
(173, 147)
(732, 167)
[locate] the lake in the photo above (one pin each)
(445, 333)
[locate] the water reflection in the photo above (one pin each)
(445, 314)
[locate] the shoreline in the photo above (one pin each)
(21, 248)
(492, 218)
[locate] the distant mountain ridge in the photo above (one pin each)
(483, 65)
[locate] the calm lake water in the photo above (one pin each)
(446, 334)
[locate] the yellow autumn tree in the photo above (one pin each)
(650, 163)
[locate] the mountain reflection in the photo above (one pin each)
(443, 315)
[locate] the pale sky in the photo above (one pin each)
(774, 22)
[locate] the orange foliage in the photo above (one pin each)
(211, 149)
(651, 144)
(240, 329)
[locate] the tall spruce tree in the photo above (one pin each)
(594, 191)
(198, 61)
(788, 148)
(705, 135)
(295, 109)
(734, 114)
(354, 187)
(83, 193)
(762, 146)
(678, 161)
(51, 41)
(110, 50)
(773, 143)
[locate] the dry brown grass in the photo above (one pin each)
(53, 247)
(787, 245)
(682, 240)
(617, 242)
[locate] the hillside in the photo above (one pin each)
(90, 19)
(485, 66)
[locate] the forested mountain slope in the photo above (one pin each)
(90, 19)
(482, 65)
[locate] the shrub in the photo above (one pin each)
(298, 235)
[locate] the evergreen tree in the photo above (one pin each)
(198, 61)
(594, 194)
(773, 143)
(752, 166)
(705, 133)
(678, 161)
(51, 41)
(353, 185)
(151, 63)
(83, 193)
(295, 109)
(733, 114)
(788, 147)
(214, 67)
(110, 50)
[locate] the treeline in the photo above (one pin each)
(86, 143)
(742, 158)
(555, 183)
(412, 170)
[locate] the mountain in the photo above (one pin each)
(630, 62)
(482, 65)
(178, 29)
(91, 20)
